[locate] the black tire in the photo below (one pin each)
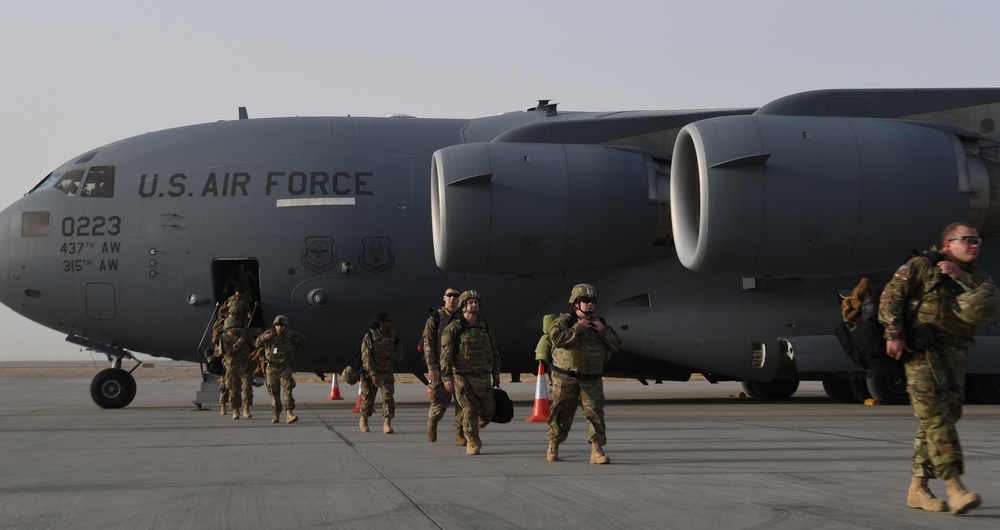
(748, 389)
(112, 388)
(888, 388)
(839, 390)
(781, 389)
(859, 386)
(986, 387)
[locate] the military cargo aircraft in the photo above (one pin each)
(720, 241)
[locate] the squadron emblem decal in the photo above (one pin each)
(319, 256)
(377, 256)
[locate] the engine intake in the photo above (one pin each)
(787, 196)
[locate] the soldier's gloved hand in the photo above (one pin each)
(496, 380)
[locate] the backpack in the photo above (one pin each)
(862, 335)
(505, 407)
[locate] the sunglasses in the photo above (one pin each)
(451, 295)
(968, 240)
(588, 300)
(280, 325)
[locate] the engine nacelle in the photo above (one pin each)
(787, 196)
(525, 208)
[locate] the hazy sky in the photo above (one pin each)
(78, 75)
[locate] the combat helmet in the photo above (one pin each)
(466, 296)
(978, 306)
(281, 319)
(349, 376)
(582, 290)
(230, 323)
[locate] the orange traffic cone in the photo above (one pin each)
(357, 406)
(542, 410)
(334, 390)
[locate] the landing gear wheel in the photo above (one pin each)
(112, 388)
(889, 389)
(748, 389)
(986, 387)
(839, 390)
(859, 386)
(782, 389)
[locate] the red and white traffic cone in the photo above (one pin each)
(542, 409)
(357, 406)
(334, 389)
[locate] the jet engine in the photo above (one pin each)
(787, 196)
(525, 208)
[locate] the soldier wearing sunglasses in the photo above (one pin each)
(439, 397)
(581, 344)
(927, 295)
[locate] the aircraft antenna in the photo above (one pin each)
(243, 113)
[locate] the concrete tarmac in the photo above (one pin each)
(684, 455)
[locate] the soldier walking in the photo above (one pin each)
(470, 367)
(439, 397)
(280, 344)
(380, 350)
(581, 344)
(235, 346)
(950, 298)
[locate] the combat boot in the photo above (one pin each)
(459, 437)
(961, 499)
(920, 496)
(473, 445)
(236, 413)
(291, 418)
(363, 423)
(432, 430)
(553, 453)
(222, 409)
(387, 426)
(246, 412)
(274, 417)
(597, 455)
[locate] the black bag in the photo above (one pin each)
(505, 407)
(863, 339)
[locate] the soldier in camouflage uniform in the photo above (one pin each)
(234, 347)
(470, 367)
(380, 349)
(922, 292)
(239, 308)
(439, 397)
(581, 344)
(280, 344)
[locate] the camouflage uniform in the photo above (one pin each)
(440, 398)
(236, 359)
(279, 352)
(919, 293)
(375, 342)
(238, 308)
(470, 360)
(578, 358)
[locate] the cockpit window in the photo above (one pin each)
(69, 183)
(100, 182)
